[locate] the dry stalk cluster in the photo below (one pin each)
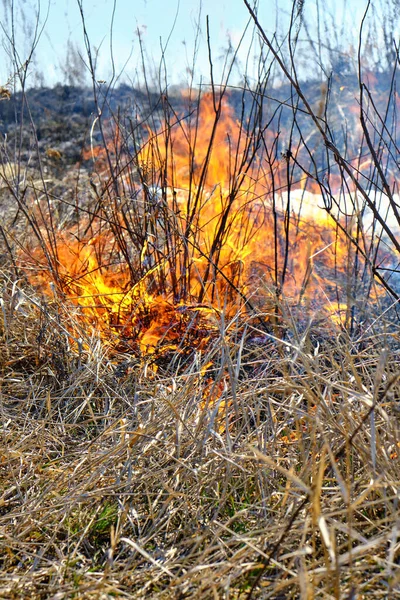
(199, 379)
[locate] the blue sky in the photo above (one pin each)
(170, 23)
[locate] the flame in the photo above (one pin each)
(213, 235)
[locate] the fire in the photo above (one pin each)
(202, 232)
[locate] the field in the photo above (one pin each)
(199, 339)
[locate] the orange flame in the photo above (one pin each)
(212, 238)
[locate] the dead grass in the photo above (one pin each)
(263, 462)
(268, 475)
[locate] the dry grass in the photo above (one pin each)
(263, 462)
(266, 476)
